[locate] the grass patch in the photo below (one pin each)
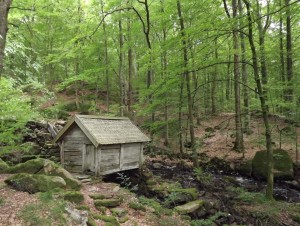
(47, 211)
(137, 206)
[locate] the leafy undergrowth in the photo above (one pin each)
(266, 212)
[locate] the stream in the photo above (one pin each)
(214, 187)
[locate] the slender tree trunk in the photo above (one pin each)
(4, 9)
(180, 115)
(164, 75)
(281, 53)
(264, 108)
(106, 60)
(130, 66)
(289, 53)
(244, 78)
(239, 146)
(122, 80)
(188, 84)
(214, 78)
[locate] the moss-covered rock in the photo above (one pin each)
(283, 165)
(137, 206)
(118, 212)
(105, 218)
(32, 166)
(107, 202)
(50, 168)
(97, 196)
(73, 196)
(189, 207)
(123, 219)
(47, 167)
(33, 183)
(3, 166)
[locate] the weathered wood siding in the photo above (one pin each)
(110, 159)
(72, 148)
(130, 156)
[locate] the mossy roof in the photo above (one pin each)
(105, 130)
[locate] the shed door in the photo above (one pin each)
(110, 160)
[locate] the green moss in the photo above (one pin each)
(123, 219)
(283, 165)
(137, 206)
(35, 183)
(74, 196)
(91, 222)
(191, 192)
(51, 168)
(83, 207)
(105, 218)
(3, 166)
(118, 212)
(107, 202)
(32, 166)
(97, 196)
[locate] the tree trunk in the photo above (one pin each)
(289, 57)
(239, 146)
(130, 66)
(106, 60)
(122, 80)
(188, 84)
(4, 8)
(264, 108)
(244, 78)
(281, 53)
(214, 78)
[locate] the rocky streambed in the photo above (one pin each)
(206, 196)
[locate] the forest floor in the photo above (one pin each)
(220, 142)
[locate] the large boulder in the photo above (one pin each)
(50, 168)
(33, 183)
(32, 166)
(283, 165)
(47, 167)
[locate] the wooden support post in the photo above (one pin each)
(98, 162)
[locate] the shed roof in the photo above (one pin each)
(105, 130)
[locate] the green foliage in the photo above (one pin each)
(73, 196)
(248, 197)
(15, 111)
(201, 176)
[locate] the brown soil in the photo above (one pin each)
(220, 143)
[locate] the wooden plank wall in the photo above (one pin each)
(130, 156)
(110, 159)
(73, 146)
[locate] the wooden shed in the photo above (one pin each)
(101, 145)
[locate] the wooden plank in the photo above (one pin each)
(77, 139)
(110, 160)
(141, 154)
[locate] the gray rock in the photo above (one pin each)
(157, 165)
(189, 207)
